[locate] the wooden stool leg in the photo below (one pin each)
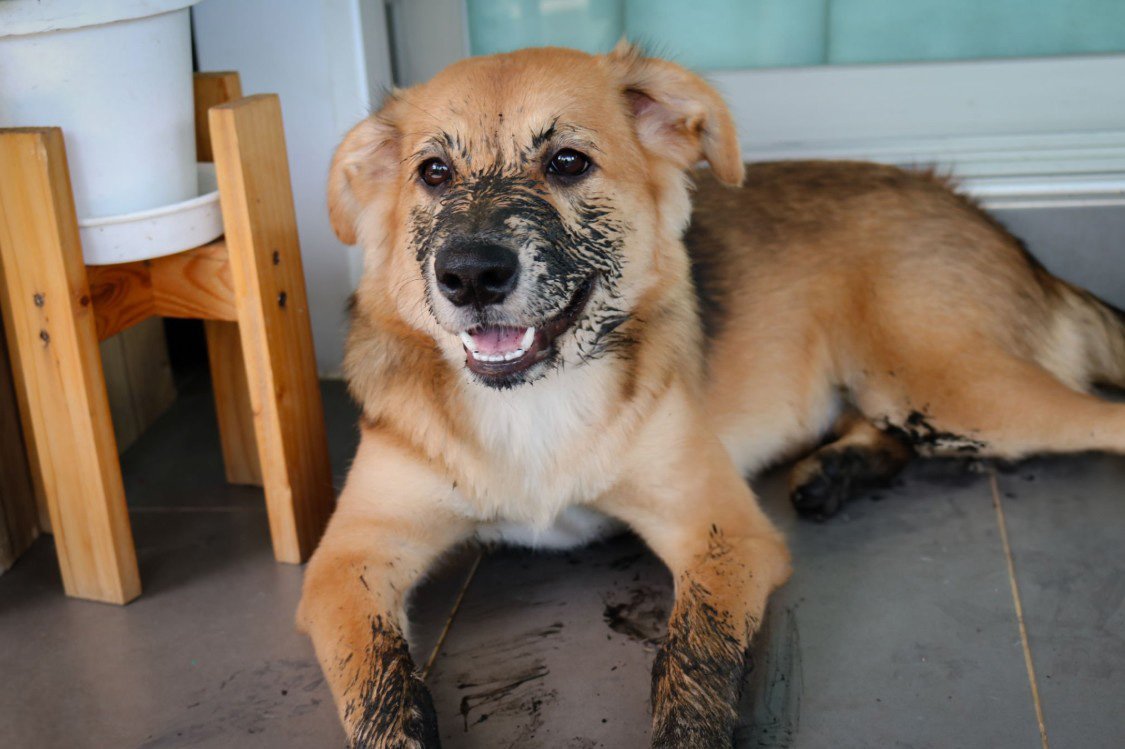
(232, 403)
(224, 347)
(51, 326)
(261, 231)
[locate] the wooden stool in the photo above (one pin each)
(249, 288)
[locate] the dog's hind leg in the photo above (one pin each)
(695, 511)
(989, 404)
(862, 456)
(390, 524)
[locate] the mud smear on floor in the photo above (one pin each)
(641, 614)
(505, 679)
(771, 692)
(498, 695)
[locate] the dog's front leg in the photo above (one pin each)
(698, 515)
(392, 521)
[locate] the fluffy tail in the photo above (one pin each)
(1097, 329)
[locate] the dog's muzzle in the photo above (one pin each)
(500, 353)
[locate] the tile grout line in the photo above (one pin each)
(998, 504)
(452, 613)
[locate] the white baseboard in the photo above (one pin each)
(1012, 171)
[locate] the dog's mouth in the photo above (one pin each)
(499, 353)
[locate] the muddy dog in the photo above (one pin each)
(535, 347)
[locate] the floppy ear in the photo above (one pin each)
(678, 115)
(366, 159)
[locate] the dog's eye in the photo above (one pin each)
(568, 163)
(434, 172)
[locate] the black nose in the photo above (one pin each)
(478, 273)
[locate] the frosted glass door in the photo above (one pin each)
(732, 34)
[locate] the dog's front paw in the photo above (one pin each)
(398, 716)
(692, 732)
(695, 684)
(389, 707)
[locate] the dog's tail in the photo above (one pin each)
(1096, 333)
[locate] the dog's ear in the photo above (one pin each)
(366, 159)
(678, 115)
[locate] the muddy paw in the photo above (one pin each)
(390, 707)
(409, 724)
(823, 482)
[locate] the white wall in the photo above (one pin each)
(328, 61)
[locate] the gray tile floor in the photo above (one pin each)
(898, 629)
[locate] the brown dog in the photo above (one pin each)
(532, 344)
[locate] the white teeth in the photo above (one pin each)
(510, 356)
(525, 344)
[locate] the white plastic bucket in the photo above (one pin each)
(116, 76)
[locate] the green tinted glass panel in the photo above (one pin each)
(889, 31)
(716, 34)
(504, 25)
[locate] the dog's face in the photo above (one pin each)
(517, 208)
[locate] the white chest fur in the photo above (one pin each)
(547, 445)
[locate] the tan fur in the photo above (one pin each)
(831, 283)
(884, 287)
